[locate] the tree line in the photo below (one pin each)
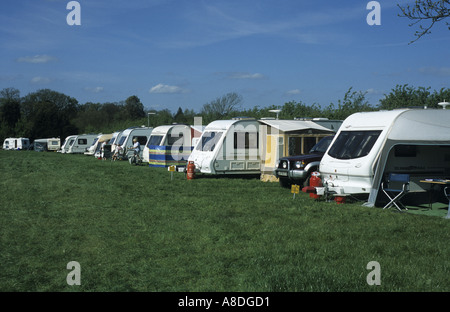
(47, 113)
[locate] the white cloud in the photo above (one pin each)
(37, 59)
(373, 91)
(94, 90)
(293, 92)
(246, 76)
(40, 80)
(162, 88)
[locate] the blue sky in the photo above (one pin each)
(174, 53)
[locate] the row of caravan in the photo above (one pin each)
(160, 146)
(365, 148)
(237, 146)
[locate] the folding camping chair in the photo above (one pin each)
(395, 188)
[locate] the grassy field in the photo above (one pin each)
(132, 228)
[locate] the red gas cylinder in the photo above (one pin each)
(315, 181)
(339, 199)
(190, 170)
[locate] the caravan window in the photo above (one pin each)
(122, 139)
(175, 138)
(154, 140)
(322, 145)
(82, 141)
(353, 144)
(208, 141)
(141, 139)
(405, 151)
(246, 140)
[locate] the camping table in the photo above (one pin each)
(444, 184)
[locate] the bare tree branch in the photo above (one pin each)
(427, 11)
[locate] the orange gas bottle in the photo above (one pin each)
(190, 170)
(315, 181)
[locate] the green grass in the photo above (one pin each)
(134, 229)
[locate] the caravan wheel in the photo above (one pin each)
(285, 182)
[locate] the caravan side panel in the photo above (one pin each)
(165, 156)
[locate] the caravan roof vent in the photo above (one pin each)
(243, 118)
(444, 104)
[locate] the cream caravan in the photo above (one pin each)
(50, 144)
(370, 145)
(228, 147)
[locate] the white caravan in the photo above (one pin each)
(91, 149)
(49, 144)
(228, 147)
(97, 143)
(170, 145)
(67, 143)
(115, 138)
(103, 141)
(125, 139)
(16, 144)
(370, 145)
(80, 143)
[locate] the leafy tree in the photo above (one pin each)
(179, 116)
(291, 110)
(426, 11)
(189, 115)
(353, 101)
(49, 110)
(162, 117)
(9, 112)
(111, 110)
(90, 118)
(438, 96)
(134, 109)
(403, 96)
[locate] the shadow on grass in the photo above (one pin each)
(204, 176)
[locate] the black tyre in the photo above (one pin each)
(285, 183)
